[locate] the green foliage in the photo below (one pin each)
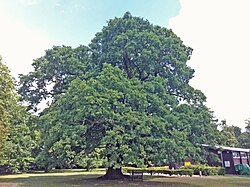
(17, 148)
(90, 161)
(228, 137)
(99, 118)
(237, 131)
(143, 50)
(205, 170)
(247, 125)
(17, 153)
(7, 97)
(118, 115)
(222, 171)
(53, 73)
(197, 124)
(244, 138)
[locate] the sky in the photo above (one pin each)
(217, 30)
(28, 27)
(219, 33)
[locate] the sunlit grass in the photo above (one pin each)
(62, 172)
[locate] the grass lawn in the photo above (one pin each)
(77, 178)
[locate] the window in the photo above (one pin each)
(243, 154)
(236, 155)
(227, 164)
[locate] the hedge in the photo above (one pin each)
(205, 170)
(181, 172)
(184, 170)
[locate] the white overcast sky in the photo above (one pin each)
(217, 30)
(20, 44)
(219, 33)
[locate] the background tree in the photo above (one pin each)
(244, 139)
(227, 135)
(7, 96)
(247, 125)
(16, 139)
(17, 152)
(237, 131)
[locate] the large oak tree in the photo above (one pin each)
(126, 95)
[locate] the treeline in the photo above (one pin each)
(235, 136)
(123, 100)
(19, 133)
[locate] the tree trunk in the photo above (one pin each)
(114, 173)
(88, 165)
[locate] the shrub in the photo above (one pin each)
(221, 171)
(206, 170)
(167, 171)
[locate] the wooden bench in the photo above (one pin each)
(137, 175)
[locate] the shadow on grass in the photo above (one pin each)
(67, 171)
(81, 180)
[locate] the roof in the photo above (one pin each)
(226, 148)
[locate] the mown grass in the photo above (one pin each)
(80, 178)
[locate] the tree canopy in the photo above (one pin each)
(52, 74)
(137, 47)
(7, 96)
(17, 142)
(244, 138)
